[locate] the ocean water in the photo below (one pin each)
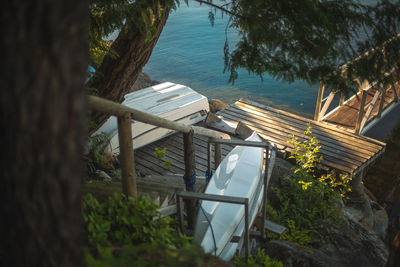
(190, 51)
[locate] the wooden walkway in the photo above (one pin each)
(343, 151)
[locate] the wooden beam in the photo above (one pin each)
(326, 106)
(319, 100)
(361, 112)
(342, 98)
(217, 155)
(127, 157)
(370, 108)
(382, 102)
(190, 167)
(396, 95)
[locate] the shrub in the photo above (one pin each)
(121, 221)
(260, 259)
(308, 201)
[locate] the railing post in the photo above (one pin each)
(264, 208)
(319, 100)
(361, 112)
(190, 166)
(342, 98)
(127, 156)
(382, 102)
(217, 155)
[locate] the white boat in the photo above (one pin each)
(168, 100)
(240, 175)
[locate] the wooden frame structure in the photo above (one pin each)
(370, 101)
(125, 115)
(367, 107)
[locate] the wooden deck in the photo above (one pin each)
(343, 151)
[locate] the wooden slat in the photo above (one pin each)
(283, 138)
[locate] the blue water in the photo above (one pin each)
(190, 51)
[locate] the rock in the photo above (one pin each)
(293, 255)
(103, 176)
(348, 245)
(381, 220)
(216, 105)
(142, 81)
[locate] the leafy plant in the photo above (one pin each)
(159, 154)
(296, 235)
(308, 200)
(260, 259)
(120, 221)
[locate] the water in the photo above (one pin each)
(190, 51)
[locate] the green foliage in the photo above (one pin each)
(148, 255)
(296, 235)
(159, 154)
(309, 39)
(108, 17)
(260, 259)
(308, 202)
(96, 158)
(121, 221)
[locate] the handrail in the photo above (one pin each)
(112, 108)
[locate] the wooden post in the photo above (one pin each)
(396, 95)
(190, 167)
(209, 158)
(264, 208)
(217, 155)
(342, 98)
(319, 100)
(326, 106)
(381, 104)
(361, 112)
(127, 157)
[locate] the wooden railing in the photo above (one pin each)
(125, 115)
(365, 110)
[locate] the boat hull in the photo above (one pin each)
(171, 101)
(239, 175)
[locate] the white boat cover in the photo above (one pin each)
(168, 100)
(240, 175)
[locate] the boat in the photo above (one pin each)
(239, 175)
(167, 100)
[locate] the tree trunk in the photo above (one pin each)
(116, 76)
(43, 122)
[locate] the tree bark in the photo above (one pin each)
(43, 122)
(116, 76)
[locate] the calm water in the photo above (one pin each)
(190, 52)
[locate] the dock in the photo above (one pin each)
(342, 151)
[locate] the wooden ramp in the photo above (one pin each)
(341, 150)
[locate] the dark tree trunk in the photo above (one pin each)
(43, 123)
(115, 77)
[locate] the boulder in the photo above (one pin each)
(142, 81)
(348, 245)
(216, 105)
